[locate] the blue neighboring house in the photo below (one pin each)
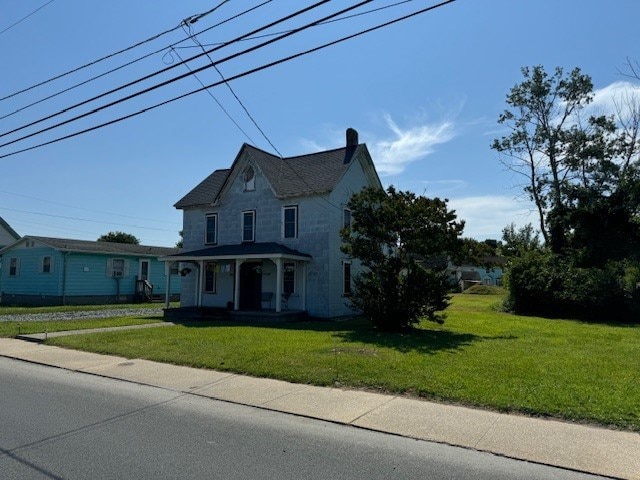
(264, 234)
(57, 271)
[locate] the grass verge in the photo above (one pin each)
(480, 357)
(11, 329)
(13, 310)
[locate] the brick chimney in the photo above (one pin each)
(352, 137)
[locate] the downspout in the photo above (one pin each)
(64, 277)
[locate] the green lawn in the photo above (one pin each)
(13, 310)
(480, 356)
(11, 329)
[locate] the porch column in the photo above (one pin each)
(278, 262)
(167, 269)
(200, 282)
(304, 286)
(236, 288)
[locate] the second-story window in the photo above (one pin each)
(346, 218)
(290, 221)
(249, 226)
(211, 229)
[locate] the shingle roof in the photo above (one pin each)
(206, 191)
(314, 173)
(266, 248)
(88, 246)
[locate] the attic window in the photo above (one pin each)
(249, 178)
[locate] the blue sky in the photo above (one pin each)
(424, 95)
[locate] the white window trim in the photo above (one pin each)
(215, 234)
(111, 272)
(253, 225)
(17, 267)
(50, 265)
(284, 209)
(344, 217)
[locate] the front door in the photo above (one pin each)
(250, 286)
(144, 270)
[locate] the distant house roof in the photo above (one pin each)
(311, 174)
(243, 250)
(470, 275)
(8, 228)
(88, 246)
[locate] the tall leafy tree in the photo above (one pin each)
(119, 237)
(402, 239)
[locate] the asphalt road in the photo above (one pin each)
(56, 424)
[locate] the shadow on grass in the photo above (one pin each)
(358, 330)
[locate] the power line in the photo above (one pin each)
(25, 17)
(85, 209)
(195, 39)
(150, 39)
(235, 77)
(215, 99)
(167, 82)
(120, 67)
(85, 219)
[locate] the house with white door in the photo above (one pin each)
(264, 234)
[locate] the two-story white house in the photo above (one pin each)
(265, 233)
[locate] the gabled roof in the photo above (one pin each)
(303, 175)
(206, 191)
(8, 228)
(88, 246)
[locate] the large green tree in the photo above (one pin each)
(399, 237)
(583, 175)
(119, 237)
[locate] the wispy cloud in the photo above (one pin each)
(391, 156)
(486, 216)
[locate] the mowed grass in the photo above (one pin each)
(479, 357)
(11, 329)
(19, 310)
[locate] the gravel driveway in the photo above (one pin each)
(54, 316)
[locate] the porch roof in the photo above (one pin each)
(242, 250)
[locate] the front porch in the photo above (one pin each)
(248, 280)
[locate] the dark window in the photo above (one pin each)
(248, 226)
(289, 278)
(346, 218)
(13, 267)
(210, 277)
(211, 235)
(290, 221)
(46, 265)
(346, 278)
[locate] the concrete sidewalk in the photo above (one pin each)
(577, 447)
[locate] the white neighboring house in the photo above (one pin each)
(264, 234)
(7, 234)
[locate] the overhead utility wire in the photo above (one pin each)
(192, 19)
(235, 77)
(226, 112)
(25, 17)
(273, 34)
(167, 82)
(104, 74)
(187, 30)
